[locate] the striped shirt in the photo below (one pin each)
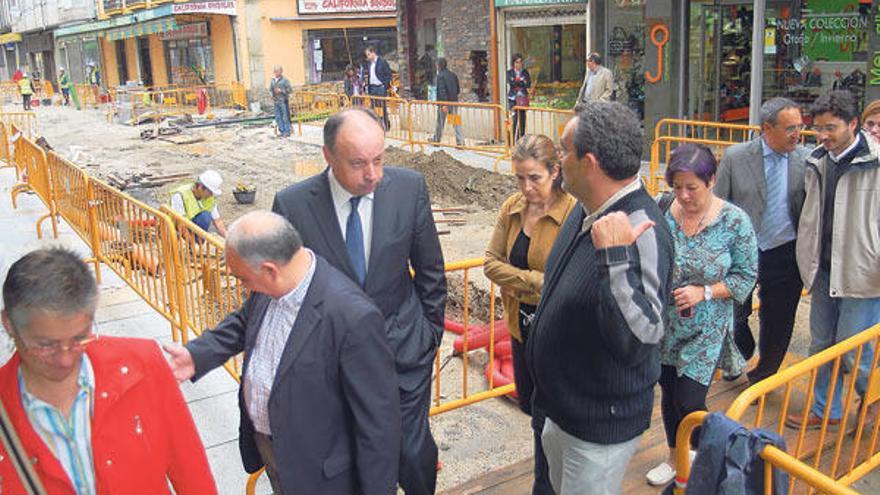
(266, 355)
(69, 439)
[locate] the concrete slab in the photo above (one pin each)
(216, 417)
(225, 461)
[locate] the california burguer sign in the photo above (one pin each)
(345, 6)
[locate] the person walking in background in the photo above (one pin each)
(515, 259)
(95, 414)
(518, 83)
(197, 201)
(64, 85)
(377, 75)
(716, 263)
(26, 90)
(765, 177)
(598, 81)
(93, 76)
(318, 399)
(373, 222)
(871, 120)
(280, 89)
(593, 347)
(836, 248)
(447, 90)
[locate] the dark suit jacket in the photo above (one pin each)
(334, 408)
(404, 235)
(513, 85)
(447, 86)
(741, 180)
(383, 72)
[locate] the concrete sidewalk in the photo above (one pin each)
(212, 401)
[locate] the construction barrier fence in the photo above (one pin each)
(837, 452)
(31, 163)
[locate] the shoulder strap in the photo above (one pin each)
(18, 456)
(665, 201)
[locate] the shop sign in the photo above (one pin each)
(345, 6)
(186, 32)
(875, 70)
(829, 32)
(521, 3)
(222, 7)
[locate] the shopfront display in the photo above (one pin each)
(188, 54)
(625, 52)
(331, 50)
(552, 40)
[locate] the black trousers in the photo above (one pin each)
(379, 106)
(519, 125)
(26, 102)
(779, 287)
(524, 390)
(681, 396)
(418, 451)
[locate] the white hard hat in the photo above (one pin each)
(212, 181)
(61, 69)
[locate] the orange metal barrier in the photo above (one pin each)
(547, 121)
(206, 288)
(313, 108)
(481, 125)
(71, 192)
(843, 453)
(31, 162)
(397, 111)
(138, 243)
(26, 122)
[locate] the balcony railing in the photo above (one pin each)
(108, 8)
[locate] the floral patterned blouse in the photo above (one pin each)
(725, 250)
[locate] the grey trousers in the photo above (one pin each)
(578, 467)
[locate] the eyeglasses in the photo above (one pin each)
(794, 129)
(48, 349)
(830, 128)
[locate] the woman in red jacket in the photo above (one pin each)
(94, 416)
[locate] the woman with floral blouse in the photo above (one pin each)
(716, 263)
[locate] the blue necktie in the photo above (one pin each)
(354, 241)
(777, 206)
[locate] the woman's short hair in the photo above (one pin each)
(694, 158)
(871, 109)
(540, 148)
(514, 58)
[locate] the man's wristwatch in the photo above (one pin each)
(707, 292)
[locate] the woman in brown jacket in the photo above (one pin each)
(524, 234)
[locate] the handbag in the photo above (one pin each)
(522, 100)
(17, 455)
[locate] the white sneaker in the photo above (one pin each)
(661, 475)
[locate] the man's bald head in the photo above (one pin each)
(362, 118)
(262, 236)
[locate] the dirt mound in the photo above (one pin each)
(452, 183)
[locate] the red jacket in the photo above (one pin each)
(142, 431)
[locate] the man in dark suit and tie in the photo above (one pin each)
(377, 76)
(319, 405)
(373, 223)
(765, 177)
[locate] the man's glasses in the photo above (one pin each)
(49, 349)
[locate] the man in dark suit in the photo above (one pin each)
(447, 90)
(319, 405)
(765, 177)
(373, 223)
(377, 78)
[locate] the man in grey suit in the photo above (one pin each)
(373, 223)
(319, 406)
(598, 81)
(765, 177)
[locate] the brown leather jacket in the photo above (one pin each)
(522, 286)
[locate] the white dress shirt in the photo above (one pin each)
(266, 355)
(342, 205)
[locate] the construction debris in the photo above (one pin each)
(144, 180)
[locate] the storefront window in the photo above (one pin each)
(818, 48)
(331, 50)
(625, 53)
(188, 54)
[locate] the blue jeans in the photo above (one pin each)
(203, 220)
(833, 320)
(282, 117)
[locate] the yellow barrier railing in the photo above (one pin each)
(206, 289)
(25, 122)
(843, 455)
(470, 126)
(547, 121)
(31, 162)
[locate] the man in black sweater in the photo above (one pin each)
(593, 352)
(447, 90)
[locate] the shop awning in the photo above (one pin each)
(141, 29)
(10, 38)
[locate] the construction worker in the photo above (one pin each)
(26, 88)
(64, 84)
(197, 201)
(94, 78)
